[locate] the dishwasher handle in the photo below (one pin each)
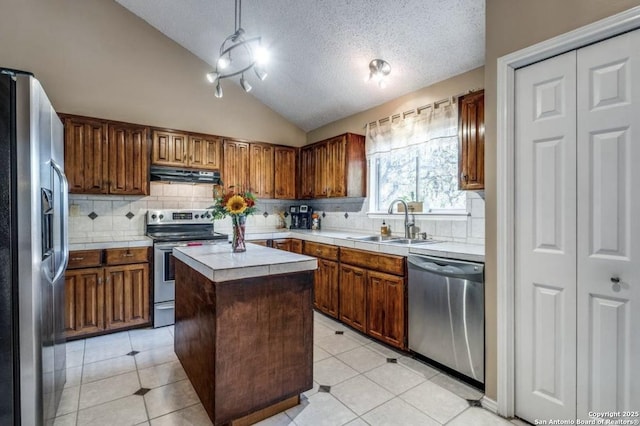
(452, 269)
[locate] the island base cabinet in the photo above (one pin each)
(247, 344)
(386, 308)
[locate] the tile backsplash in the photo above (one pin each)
(98, 218)
(460, 228)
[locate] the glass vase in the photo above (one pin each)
(237, 243)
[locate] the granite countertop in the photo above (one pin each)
(446, 249)
(218, 263)
(107, 243)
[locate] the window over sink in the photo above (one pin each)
(417, 160)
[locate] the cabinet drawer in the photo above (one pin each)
(122, 256)
(378, 262)
(324, 251)
(84, 259)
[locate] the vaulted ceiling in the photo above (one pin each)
(321, 49)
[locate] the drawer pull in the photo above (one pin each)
(77, 259)
(318, 251)
(127, 255)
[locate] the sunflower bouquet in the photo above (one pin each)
(235, 203)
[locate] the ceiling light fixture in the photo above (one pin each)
(247, 53)
(379, 69)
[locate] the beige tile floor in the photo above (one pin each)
(354, 384)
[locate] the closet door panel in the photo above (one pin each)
(608, 227)
(545, 234)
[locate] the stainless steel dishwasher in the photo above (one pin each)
(446, 313)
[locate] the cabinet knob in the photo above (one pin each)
(615, 280)
(464, 177)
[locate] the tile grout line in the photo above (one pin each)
(135, 361)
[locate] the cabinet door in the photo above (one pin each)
(128, 159)
(353, 302)
(284, 244)
(285, 173)
(205, 152)
(296, 246)
(335, 168)
(84, 301)
(307, 172)
(235, 164)
(386, 316)
(471, 141)
(169, 149)
(126, 295)
(326, 287)
(86, 155)
(320, 170)
(261, 170)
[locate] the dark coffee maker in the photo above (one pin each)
(300, 217)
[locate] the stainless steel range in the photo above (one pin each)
(169, 229)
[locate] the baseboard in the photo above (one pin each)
(489, 404)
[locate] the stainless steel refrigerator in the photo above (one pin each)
(33, 252)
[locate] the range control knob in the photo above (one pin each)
(154, 217)
(208, 216)
(197, 216)
(161, 216)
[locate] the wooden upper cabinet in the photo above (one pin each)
(205, 152)
(169, 148)
(235, 170)
(128, 159)
(320, 186)
(339, 168)
(86, 155)
(261, 173)
(106, 157)
(285, 172)
(471, 141)
(306, 170)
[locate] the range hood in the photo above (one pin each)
(179, 174)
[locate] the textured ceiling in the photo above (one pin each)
(320, 49)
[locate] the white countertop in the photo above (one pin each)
(218, 263)
(446, 249)
(135, 241)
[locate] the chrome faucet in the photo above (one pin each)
(407, 224)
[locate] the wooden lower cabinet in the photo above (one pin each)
(282, 244)
(353, 299)
(296, 246)
(386, 304)
(84, 299)
(107, 296)
(126, 295)
(325, 287)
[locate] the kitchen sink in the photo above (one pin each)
(374, 238)
(392, 240)
(410, 242)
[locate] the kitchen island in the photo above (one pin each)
(244, 328)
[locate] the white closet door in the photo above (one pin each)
(545, 208)
(609, 225)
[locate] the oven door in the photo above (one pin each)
(164, 272)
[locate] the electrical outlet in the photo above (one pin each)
(74, 210)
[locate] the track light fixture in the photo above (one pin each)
(238, 55)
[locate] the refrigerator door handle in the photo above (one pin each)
(64, 217)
